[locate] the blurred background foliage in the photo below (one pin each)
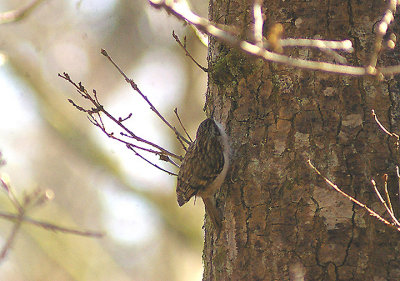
(98, 184)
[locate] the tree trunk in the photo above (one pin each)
(281, 221)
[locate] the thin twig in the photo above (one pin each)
(50, 226)
(325, 46)
(183, 46)
(386, 130)
(183, 12)
(385, 204)
(180, 122)
(383, 127)
(95, 117)
(151, 163)
(135, 87)
(11, 195)
(98, 107)
(11, 237)
(98, 122)
(370, 211)
(398, 180)
(30, 201)
(387, 194)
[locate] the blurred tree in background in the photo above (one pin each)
(98, 184)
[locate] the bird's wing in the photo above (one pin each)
(200, 167)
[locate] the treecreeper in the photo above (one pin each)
(204, 168)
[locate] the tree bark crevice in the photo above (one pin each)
(281, 221)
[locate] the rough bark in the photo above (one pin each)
(281, 222)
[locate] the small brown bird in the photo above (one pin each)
(204, 168)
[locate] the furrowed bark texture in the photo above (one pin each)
(281, 221)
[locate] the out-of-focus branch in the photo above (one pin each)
(20, 13)
(258, 22)
(30, 201)
(49, 226)
(381, 31)
(344, 45)
(10, 239)
(182, 11)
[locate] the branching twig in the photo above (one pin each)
(95, 118)
(395, 224)
(183, 12)
(183, 46)
(388, 209)
(10, 239)
(136, 88)
(31, 200)
(11, 195)
(386, 203)
(381, 31)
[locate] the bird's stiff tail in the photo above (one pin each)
(213, 213)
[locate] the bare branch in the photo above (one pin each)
(183, 46)
(97, 121)
(370, 211)
(136, 88)
(29, 201)
(132, 146)
(344, 45)
(388, 197)
(381, 31)
(390, 212)
(20, 13)
(50, 226)
(126, 118)
(398, 180)
(11, 195)
(182, 11)
(10, 239)
(180, 122)
(258, 22)
(151, 163)
(385, 130)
